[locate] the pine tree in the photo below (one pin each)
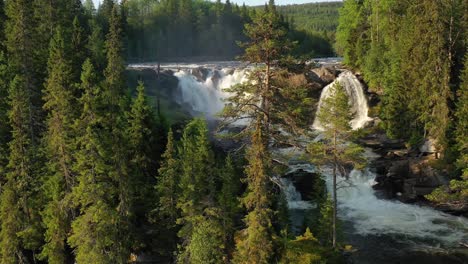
(206, 243)
(94, 233)
(19, 32)
(335, 113)
(78, 48)
(116, 101)
(19, 201)
(59, 101)
(4, 128)
(228, 199)
(456, 193)
(255, 242)
(96, 45)
(196, 199)
(166, 187)
(142, 147)
(22, 234)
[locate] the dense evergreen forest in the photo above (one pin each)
(91, 172)
(316, 19)
(415, 55)
(174, 30)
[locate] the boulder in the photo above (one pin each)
(200, 73)
(216, 77)
(428, 147)
(325, 74)
(398, 169)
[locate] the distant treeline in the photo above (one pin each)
(313, 17)
(171, 29)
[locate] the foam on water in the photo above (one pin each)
(207, 96)
(357, 100)
(374, 216)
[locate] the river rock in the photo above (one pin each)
(326, 74)
(200, 73)
(428, 147)
(215, 78)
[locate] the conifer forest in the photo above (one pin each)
(227, 131)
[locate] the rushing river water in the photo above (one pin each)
(382, 231)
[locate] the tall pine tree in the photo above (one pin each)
(59, 144)
(94, 235)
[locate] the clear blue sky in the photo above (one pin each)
(258, 2)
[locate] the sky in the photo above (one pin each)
(259, 2)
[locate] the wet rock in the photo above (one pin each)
(312, 77)
(200, 73)
(230, 71)
(215, 78)
(373, 99)
(325, 74)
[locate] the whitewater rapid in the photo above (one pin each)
(370, 215)
(357, 100)
(207, 96)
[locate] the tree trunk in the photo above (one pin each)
(334, 191)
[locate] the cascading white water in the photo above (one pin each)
(373, 216)
(207, 96)
(293, 197)
(357, 100)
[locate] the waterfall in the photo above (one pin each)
(357, 100)
(293, 197)
(373, 216)
(206, 96)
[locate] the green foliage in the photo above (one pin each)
(59, 101)
(20, 224)
(255, 243)
(227, 199)
(166, 187)
(206, 245)
(379, 37)
(4, 127)
(94, 233)
(174, 29)
(196, 197)
(313, 17)
(304, 249)
(456, 193)
(325, 223)
(335, 116)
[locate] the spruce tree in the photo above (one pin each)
(334, 150)
(166, 187)
(255, 242)
(23, 201)
(116, 100)
(228, 199)
(456, 193)
(59, 140)
(5, 127)
(22, 235)
(94, 234)
(196, 199)
(142, 147)
(20, 32)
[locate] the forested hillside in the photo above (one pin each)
(414, 55)
(269, 170)
(91, 174)
(180, 29)
(315, 17)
